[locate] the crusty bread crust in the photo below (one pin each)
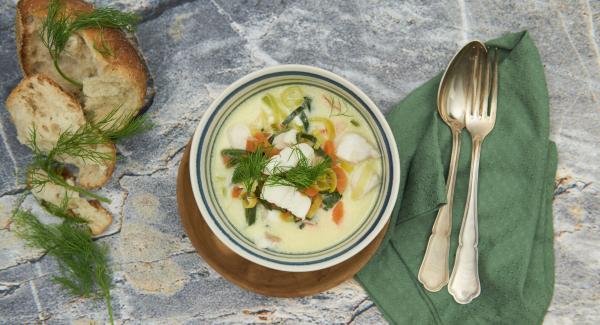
(37, 9)
(124, 68)
(39, 102)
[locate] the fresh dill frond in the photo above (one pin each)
(249, 170)
(62, 210)
(58, 27)
(81, 144)
(105, 17)
(103, 48)
(301, 176)
(37, 178)
(83, 263)
(44, 169)
(114, 129)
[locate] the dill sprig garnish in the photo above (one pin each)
(44, 169)
(301, 176)
(59, 26)
(83, 263)
(81, 144)
(249, 169)
(62, 210)
(113, 128)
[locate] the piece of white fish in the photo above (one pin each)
(285, 139)
(289, 157)
(354, 148)
(238, 135)
(288, 198)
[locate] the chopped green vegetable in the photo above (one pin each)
(354, 122)
(304, 120)
(233, 155)
(330, 199)
(307, 136)
(305, 106)
(83, 263)
(250, 215)
(320, 152)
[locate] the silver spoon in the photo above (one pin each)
(452, 105)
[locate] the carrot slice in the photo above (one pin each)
(251, 145)
(342, 180)
(236, 191)
(259, 139)
(338, 213)
(312, 192)
(272, 151)
(329, 149)
(260, 136)
(226, 160)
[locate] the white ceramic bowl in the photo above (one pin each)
(202, 155)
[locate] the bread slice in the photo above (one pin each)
(110, 81)
(98, 217)
(38, 102)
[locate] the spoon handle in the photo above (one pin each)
(433, 273)
(464, 282)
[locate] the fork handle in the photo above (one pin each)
(464, 283)
(433, 273)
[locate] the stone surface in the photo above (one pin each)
(195, 49)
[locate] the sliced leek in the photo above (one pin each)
(327, 182)
(348, 167)
(271, 102)
(248, 200)
(292, 96)
(366, 172)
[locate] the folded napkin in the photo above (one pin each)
(518, 165)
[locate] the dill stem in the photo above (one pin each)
(80, 190)
(88, 193)
(62, 74)
(108, 306)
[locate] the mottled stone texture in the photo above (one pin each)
(195, 49)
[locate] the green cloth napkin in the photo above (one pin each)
(518, 165)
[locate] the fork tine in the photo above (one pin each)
(475, 98)
(485, 89)
(494, 99)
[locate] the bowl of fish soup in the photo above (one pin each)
(294, 168)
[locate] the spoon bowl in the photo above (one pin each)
(454, 88)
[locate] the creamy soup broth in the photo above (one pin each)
(279, 229)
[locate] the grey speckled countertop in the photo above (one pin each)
(196, 48)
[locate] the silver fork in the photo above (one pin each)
(464, 283)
